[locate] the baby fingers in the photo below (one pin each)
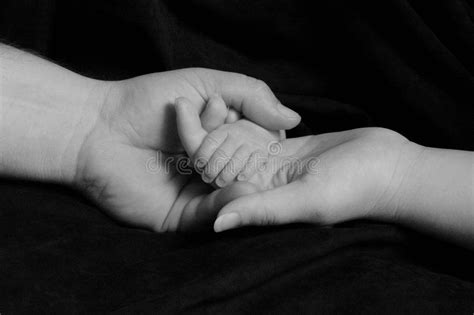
(234, 166)
(256, 163)
(219, 159)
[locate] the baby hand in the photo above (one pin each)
(233, 149)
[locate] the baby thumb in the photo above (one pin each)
(190, 131)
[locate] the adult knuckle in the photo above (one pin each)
(267, 217)
(261, 86)
(254, 82)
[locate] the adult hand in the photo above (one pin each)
(127, 162)
(143, 107)
(326, 179)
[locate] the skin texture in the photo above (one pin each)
(131, 161)
(234, 148)
(321, 179)
(370, 173)
(117, 141)
(331, 178)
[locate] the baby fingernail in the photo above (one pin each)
(220, 182)
(285, 111)
(200, 165)
(227, 221)
(241, 177)
(206, 179)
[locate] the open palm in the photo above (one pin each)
(323, 179)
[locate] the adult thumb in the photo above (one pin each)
(255, 100)
(285, 204)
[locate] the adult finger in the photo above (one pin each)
(281, 205)
(199, 212)
(190, 130)
(253, 98)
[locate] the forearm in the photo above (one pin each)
(45, 114)
(436, 194)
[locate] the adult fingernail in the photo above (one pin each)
(227, 221)
(285, 111)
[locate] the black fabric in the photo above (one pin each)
(407, 65)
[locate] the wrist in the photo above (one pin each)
(87, 118)
(46, 113)
(392, 206)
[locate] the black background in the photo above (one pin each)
(407, 65)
